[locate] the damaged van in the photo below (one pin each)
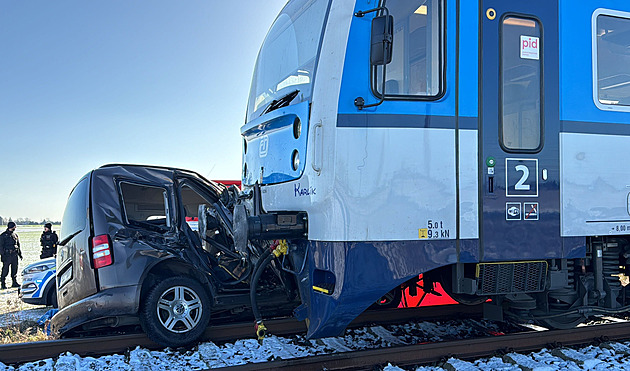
(154, 246)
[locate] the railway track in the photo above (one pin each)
(409, 355)
(97, 346)
(463, 349)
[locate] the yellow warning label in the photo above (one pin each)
(423, 233)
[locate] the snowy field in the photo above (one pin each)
(12, 309)
(208, 355)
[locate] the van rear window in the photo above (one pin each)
(145, 206)
(75, 216)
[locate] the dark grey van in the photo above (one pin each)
(131, 253)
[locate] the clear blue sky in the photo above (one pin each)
(85, 83)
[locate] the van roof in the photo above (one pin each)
(168, 168)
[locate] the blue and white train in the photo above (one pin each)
(481, 143)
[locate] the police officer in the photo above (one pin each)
(48, 240)
(10, 251)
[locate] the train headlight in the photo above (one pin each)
(295, 159)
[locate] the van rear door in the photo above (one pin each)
(75, 276)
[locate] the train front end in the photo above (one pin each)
(365, 197)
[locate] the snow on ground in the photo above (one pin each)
(207, 355)
(608, 356)
(13, 310)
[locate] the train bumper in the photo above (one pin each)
(109, 303)
(342, 279)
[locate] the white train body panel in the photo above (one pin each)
(595, 186)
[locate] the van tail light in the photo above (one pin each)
(101, 251)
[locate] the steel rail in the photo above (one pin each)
(97, 346)
(434, 352)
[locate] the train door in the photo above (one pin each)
(518, 130)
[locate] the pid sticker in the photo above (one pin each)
(530, 47)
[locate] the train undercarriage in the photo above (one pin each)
(555, 293)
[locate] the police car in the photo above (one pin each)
(38, 283)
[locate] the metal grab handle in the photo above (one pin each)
(317, 148)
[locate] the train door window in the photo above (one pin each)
(145, 206)
(521, 81)
(417, 66)
(612, 60)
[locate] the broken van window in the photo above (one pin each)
(145, 206)
(191, 201)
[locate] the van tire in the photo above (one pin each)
(176, 312)
(52, 297)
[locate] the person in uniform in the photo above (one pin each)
(48, 240)
(9, 251)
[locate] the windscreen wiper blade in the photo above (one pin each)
(67, 239)
(283, 101)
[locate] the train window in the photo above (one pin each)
(286, 61)
(521, 81)
(417, 66)
(612, 58)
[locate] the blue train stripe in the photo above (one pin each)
(595, 128)
(359, 120)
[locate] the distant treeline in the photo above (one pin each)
(26, 221)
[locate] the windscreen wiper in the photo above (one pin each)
(67, 239)
(283, 101)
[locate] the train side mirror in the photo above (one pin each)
(382, 40)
